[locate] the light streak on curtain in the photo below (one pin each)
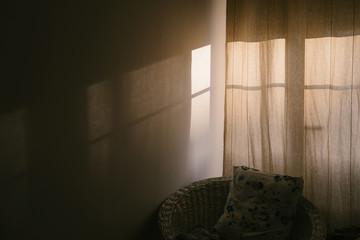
(293, 97)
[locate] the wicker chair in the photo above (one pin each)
(203, 203)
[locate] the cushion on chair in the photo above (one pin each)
(260, 205)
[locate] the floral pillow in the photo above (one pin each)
(260, 205)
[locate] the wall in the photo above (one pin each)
(97, 114)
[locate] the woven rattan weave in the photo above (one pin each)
(203, 203)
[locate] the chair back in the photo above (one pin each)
(203, 203)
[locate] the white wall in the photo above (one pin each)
(99, 96)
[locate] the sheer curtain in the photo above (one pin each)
(293, 97)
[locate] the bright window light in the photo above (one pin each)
(200, 69)
(200, 109)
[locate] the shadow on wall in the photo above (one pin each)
(95, 115)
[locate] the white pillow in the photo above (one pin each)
(260, 205)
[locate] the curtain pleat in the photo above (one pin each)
(355, 117)
(293, 97)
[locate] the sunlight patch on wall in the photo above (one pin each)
(155, 88)
(200, 109)
(14, 169)
(99, 158)
(200, 69)
(99, 128)
(13, 136)
(99, 110)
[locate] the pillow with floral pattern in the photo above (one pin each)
(260, 205)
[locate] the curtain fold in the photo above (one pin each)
(293, 94)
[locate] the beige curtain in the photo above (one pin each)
(293, 97)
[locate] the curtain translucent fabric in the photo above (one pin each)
(293, 97)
